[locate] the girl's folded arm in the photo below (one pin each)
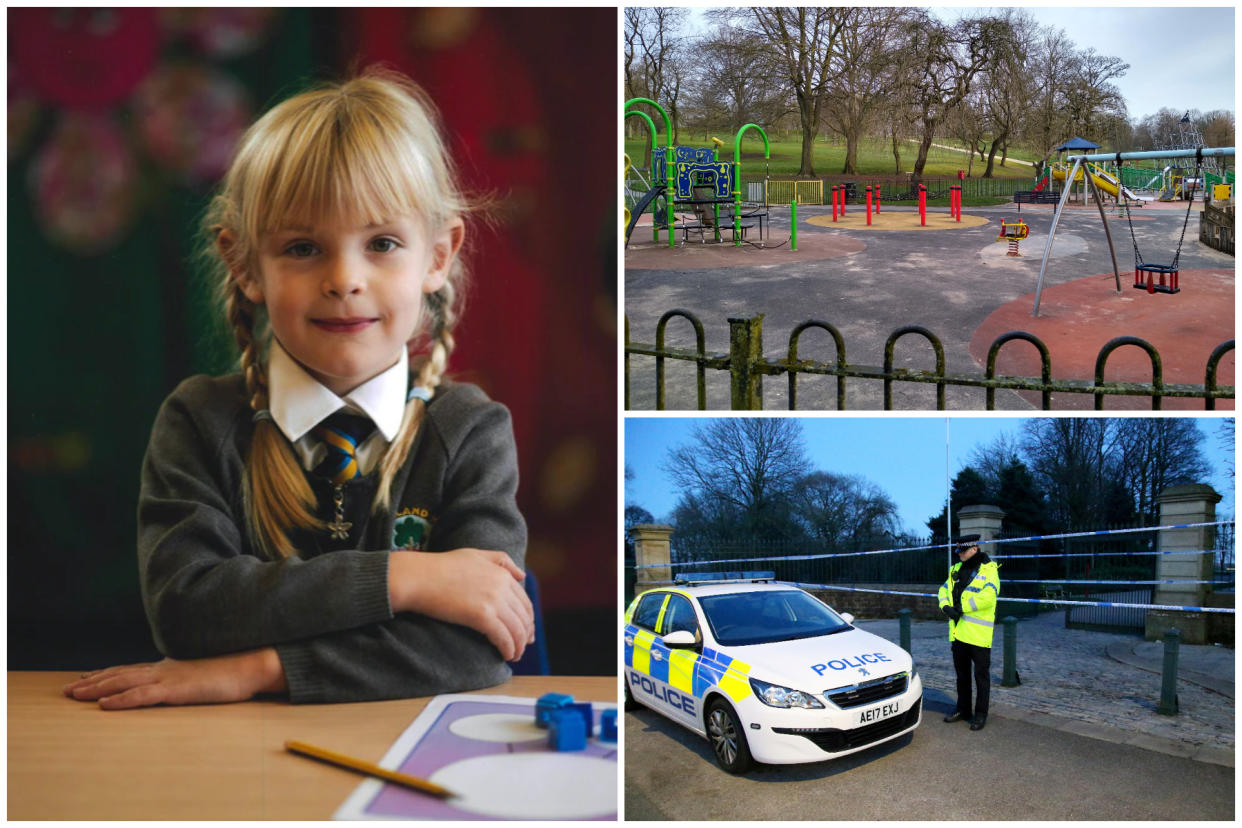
(204, 593)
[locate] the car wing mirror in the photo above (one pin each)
(847, 618)
(679, 639)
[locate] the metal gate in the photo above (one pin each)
(1112, 619)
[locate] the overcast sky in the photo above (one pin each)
(905, 456)
(1180, 58)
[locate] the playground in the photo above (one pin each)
(963, 277)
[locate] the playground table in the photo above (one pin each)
(700, 227)
(757, 215)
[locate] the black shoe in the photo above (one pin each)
(978, 722)
(955, 716)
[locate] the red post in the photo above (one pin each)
(959, 202)
(868, 206)
(923, 205)
(842, 201)
(834, 203)
(877, 198)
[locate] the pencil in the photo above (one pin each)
(368, 768)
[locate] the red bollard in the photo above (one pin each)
(959, 203)
(842, 201)
(922, 205)
(868, 206)
(877, 198)
(834, 203)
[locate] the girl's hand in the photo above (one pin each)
(230, 678)
(476, 588)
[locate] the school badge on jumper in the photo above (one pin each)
(411, 530)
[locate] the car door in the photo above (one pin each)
(679, 616)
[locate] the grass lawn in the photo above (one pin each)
(875, 157)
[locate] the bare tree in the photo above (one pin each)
(837, 508)
(1069, 458)
(948, 58)
(1051, 76)
(1156, 454)
(864, 76)
(654, 47)
(1006, 89)
(732, 86)
(1090, 93)
(745, 466)
(803, 43)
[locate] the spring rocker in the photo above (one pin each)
(1013, 233)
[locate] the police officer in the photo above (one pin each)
(968, 599)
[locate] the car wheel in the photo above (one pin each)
(728, 739)
(630, 704)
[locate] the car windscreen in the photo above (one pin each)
(741, 618)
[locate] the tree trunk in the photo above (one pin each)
(996, 142)
(896, 154)
(929, 132)
(806, 113)
(851, 152)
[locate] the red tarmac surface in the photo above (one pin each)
(1077, 318)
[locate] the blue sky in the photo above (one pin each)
(905, 456)
(1180, 58)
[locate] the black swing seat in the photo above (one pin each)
(1154, 271)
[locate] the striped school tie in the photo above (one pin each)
(341, 435)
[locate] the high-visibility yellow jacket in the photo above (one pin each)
(978, 604)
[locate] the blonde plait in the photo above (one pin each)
(426, 372)
(274, 489)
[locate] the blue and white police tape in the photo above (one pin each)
(1065, 581)
(996, 541)
(1226, 610)
(1102, 554)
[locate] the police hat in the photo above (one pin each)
(964, 542)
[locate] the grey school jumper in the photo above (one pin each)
(325, 610)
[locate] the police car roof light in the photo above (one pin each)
(724, 577)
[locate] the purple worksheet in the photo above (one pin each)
(487, 750)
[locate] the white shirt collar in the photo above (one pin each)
(299, 402)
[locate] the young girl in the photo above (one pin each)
(283, 549)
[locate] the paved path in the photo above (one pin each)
(963, 150)
(1095, 684)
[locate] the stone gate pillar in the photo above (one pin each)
(984, 521)
(651, 549)
(1190, 503)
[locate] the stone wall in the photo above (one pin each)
(876, 605)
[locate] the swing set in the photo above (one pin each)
(1145, 273)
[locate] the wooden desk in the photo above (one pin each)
(70, 760)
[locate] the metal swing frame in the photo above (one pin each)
(1118, 157)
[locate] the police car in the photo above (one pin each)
(766, 671)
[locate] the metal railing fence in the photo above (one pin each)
(747, 366)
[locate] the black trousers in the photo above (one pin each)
(968, 659)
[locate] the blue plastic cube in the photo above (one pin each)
(566, 730)
(546, 704)
(584, 710)
(608, 725)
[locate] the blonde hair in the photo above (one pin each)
(369, 150)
